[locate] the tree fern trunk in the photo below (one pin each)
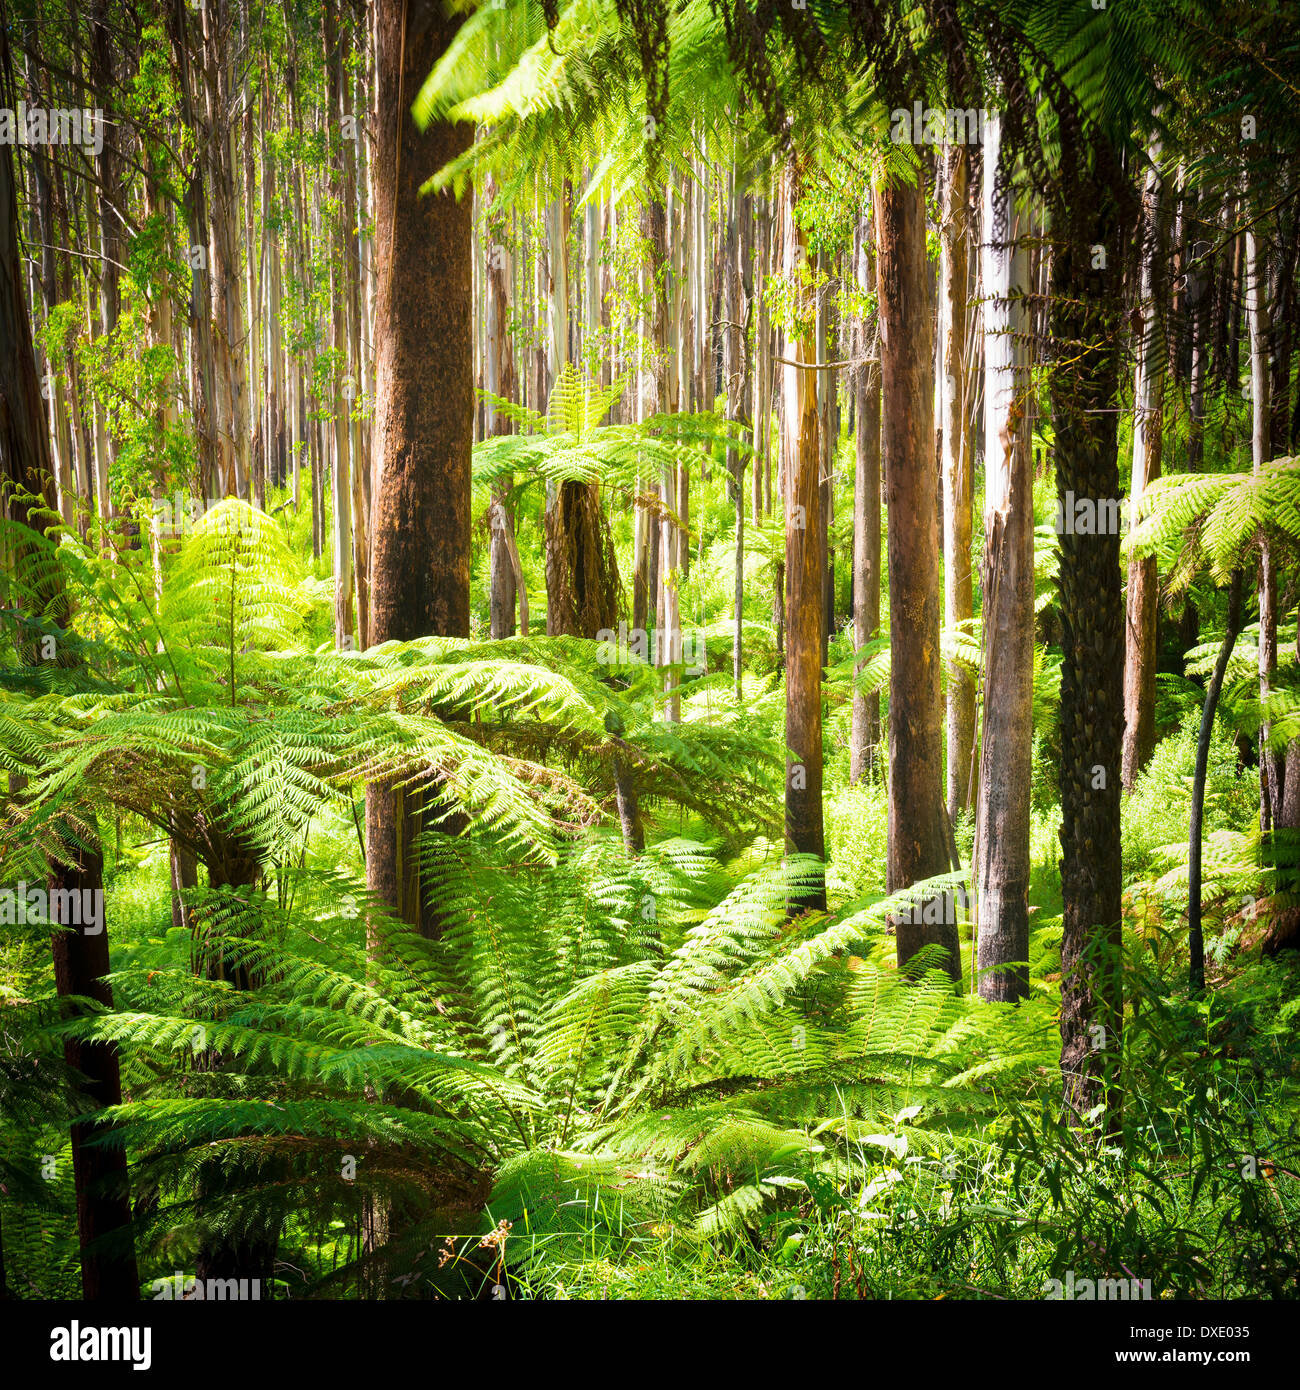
(1085, 324)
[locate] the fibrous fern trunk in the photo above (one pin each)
(1085, 325)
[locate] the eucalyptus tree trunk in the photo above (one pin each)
(357, 376)
(955, 399)
(657, 379)
(1007, 736)
(108, 176)
(1199, 286)
(738, 287)
(864, 733)
(1272, 767)
(804, 829)
(499, 370)
(424, 401)
(344, 580)
(762, 357)
(918, 838)
(1148, 430)
(254, 277)
(645, 528)
(1086, 311)
(680, 365)
(826, 443)
(226, 305)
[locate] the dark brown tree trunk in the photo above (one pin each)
(804, 830)
(918, 838)
(108, 1268)
(865, 728)
(1085, 329)
(582, 591)
(424, 398)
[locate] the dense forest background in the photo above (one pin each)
(649, 649)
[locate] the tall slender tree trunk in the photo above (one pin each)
(1272, 766)
(357, 373)
(1007, 737)
(918, 838)
(864, 731)
(500, 381)
(424, 400)
(340, 385)
(108, 174)
(1148, 430)
(736, 370)
(957, 466)
(804, 829)
(223, 252)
